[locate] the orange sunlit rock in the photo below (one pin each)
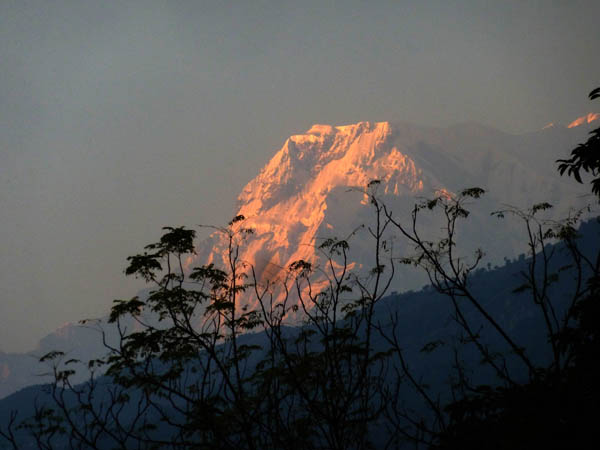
(291, 203)
(313, 189)
(584, 119)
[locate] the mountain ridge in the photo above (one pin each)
(317, 195)
(311, 188)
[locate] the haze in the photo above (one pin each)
(120, 117)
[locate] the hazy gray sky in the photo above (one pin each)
(120, 117)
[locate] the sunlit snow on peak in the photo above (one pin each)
(313, 188)
(588, 118)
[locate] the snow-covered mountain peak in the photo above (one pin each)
(313, 164)
(320, 130)
(310, 189)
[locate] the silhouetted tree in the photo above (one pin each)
(200, 369)
(558, 406)
(191, 375)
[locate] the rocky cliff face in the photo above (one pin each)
(310, 190)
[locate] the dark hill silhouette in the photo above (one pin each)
(426, 317)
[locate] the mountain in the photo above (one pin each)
(76, 340)
(18, 370)
(311, 190)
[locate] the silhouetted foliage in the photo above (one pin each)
(192, 375)
(585, 157)
(558, 407)
(211, 361)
